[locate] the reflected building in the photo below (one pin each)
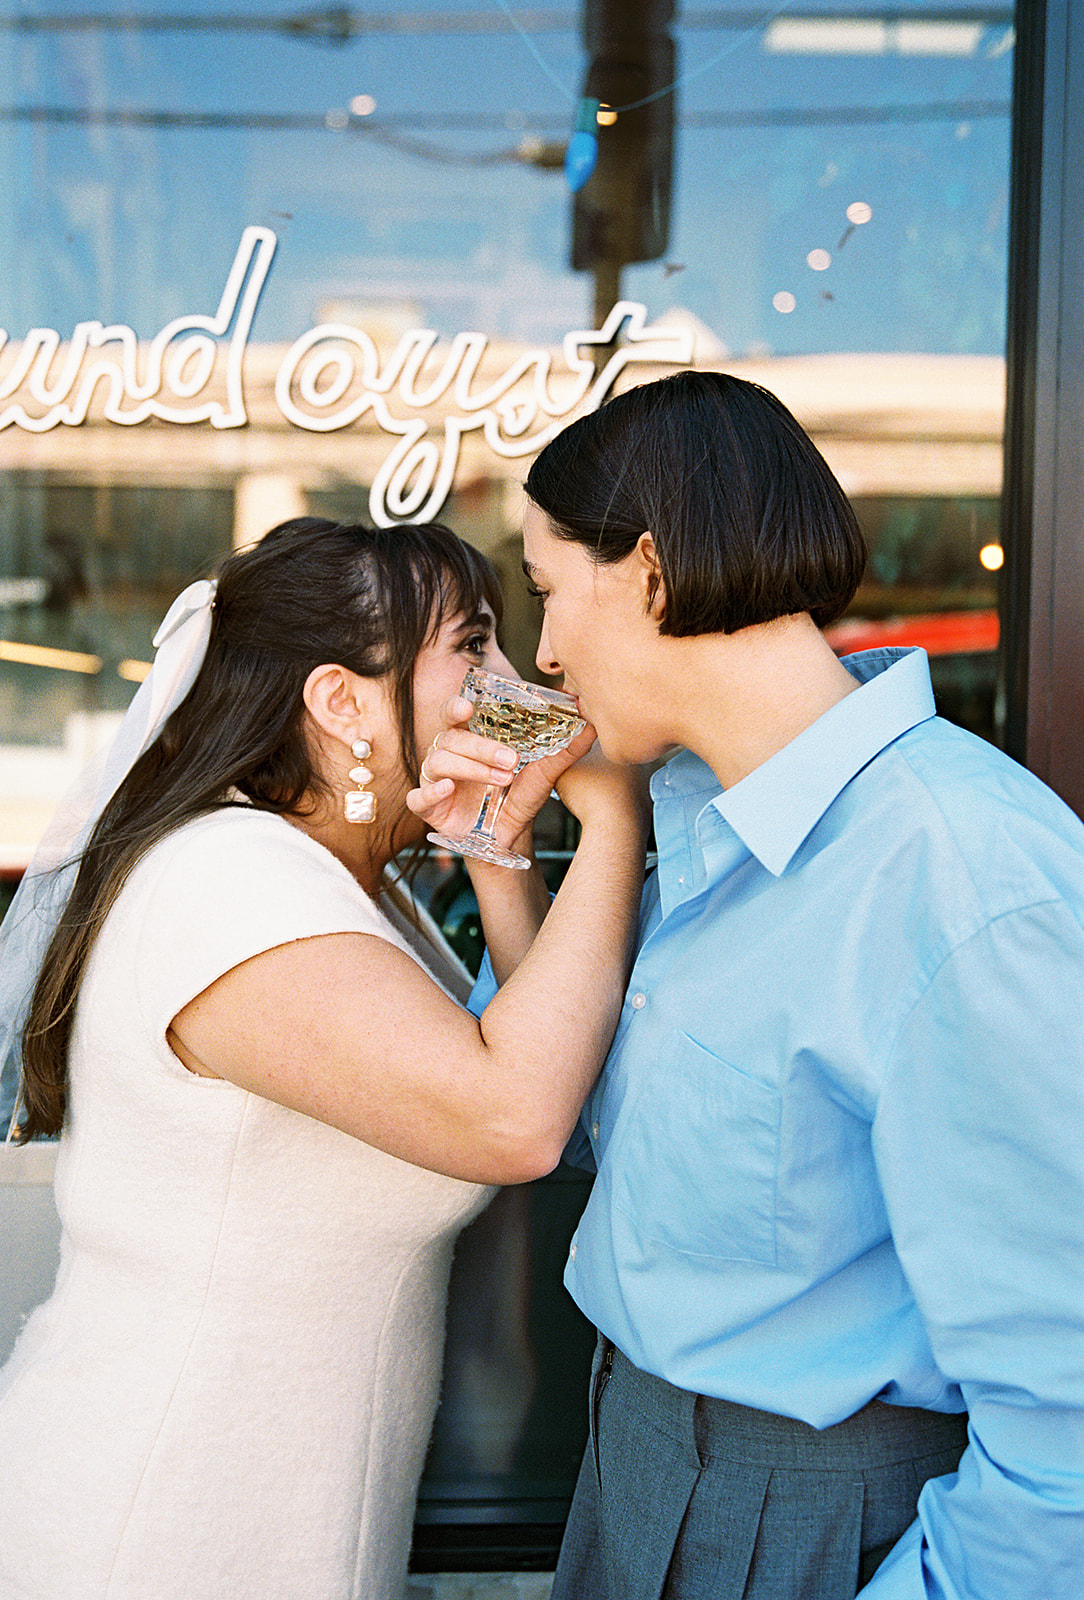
(105, 518)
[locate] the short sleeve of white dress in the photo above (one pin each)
(226, 888)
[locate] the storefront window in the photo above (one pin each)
(270, 260)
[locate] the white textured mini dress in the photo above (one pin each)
(230, 1393)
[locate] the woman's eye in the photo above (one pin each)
(477, 644)
(537, 594)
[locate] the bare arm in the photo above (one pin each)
(512, 914)
(348, 1029)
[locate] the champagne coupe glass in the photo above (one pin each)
(535, 722)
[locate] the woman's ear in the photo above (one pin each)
(650, 571)
(336, 700)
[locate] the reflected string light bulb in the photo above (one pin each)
(581, 156)
(133, 671)
(41, 655)
(362, 105)
(992, 557)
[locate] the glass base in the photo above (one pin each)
(481, 848)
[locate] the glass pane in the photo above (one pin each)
(262, 261)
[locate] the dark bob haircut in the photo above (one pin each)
(748, 521)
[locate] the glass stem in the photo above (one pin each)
(486, 822)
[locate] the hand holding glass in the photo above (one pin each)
(535, 722)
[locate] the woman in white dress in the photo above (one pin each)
(275, 1110)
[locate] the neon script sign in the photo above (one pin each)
(332, 376)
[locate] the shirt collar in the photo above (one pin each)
(775, 808)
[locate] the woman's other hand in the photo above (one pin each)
(596, 789)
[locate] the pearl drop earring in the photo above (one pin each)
(358, 804)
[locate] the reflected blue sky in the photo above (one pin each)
(425, 211)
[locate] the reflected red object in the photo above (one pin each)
(943, 633)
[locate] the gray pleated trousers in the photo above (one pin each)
(686, 1498)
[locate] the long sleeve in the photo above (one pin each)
(979, 1142)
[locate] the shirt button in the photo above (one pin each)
(639, 1001)
(594, 1131)
(572, 1252)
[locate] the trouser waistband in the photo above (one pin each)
(874, 1436)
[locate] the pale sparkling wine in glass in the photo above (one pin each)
(533, 731)
(535, 721)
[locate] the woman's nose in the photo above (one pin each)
(545, 659)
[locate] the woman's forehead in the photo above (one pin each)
(459, 618)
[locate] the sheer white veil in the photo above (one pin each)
(27, 930)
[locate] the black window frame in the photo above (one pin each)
(1042, 601)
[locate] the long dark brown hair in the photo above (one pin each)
(310, 592)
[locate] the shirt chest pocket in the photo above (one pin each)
(696, 1162)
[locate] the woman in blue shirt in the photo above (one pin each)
(838, 1205)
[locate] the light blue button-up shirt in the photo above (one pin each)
(840, 1133)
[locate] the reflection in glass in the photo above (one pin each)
(817, 202)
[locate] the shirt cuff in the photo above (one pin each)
(485, 987)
